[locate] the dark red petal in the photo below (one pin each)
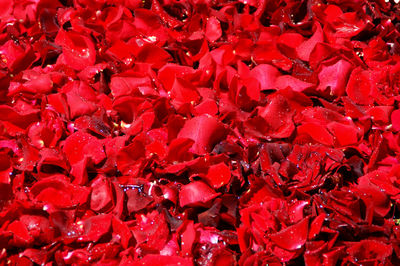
(137, 200)
(95, 227)
(369, 250)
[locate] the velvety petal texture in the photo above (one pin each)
(199, 132)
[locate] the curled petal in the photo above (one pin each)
(196, 193)
(205, 131)
(78, 50)
(292, 237)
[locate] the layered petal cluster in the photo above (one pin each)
(199, 132)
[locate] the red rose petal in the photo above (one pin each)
(183, 92)
(207, 107)
(16, 56)
(6, 8)
(304, 50)
(266, 76)
(188, 238)
(164, 260)
(79, 97)
(334, 77)
(128, 83)
(265, 54)
(152, 230)
(120, 229)
(218, 175)
(205, 131)
(213, 29)
(20, 119)
(292, 237)
(317, 132)
(395, 118)
(153, 55)
(196, 193)
(130, 154)
(359, 87)
(278, 116)
(20, 233)
(168, 73)
(80, 145)
(282, 82)
(56, 190)
(369, 249)
(79, 51)
(379, 198)
(95, 227)
(316, 226)
(345, 134)
(289, 42)
(101, 196)
(381, 114)
(179, 150)
(174, 132)
(137, 200)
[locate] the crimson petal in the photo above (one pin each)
(292, 237)
(196, 193)
(205, 131)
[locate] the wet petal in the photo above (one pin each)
(196, 193)
(292, 237)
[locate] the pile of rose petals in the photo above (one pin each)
(200, 132)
